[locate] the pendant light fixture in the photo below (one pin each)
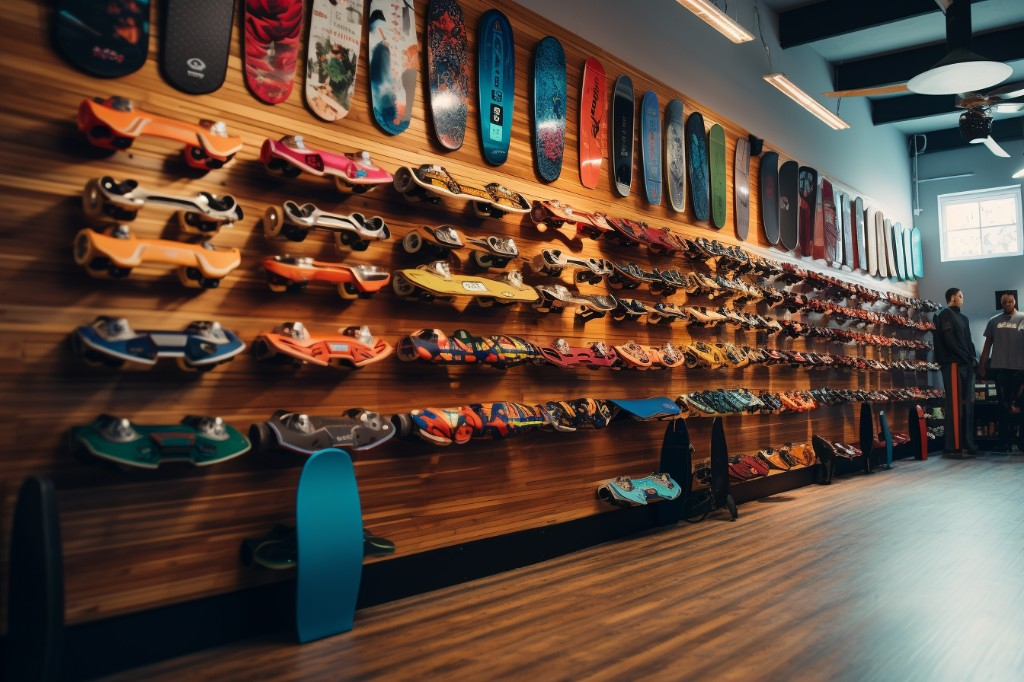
(718, 20)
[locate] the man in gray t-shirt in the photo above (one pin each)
(1004, 337)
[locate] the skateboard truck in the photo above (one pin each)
(294, 222)
(204, 213)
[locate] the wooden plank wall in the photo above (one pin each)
(135, 540)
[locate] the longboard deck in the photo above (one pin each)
(448, 69)
(697, 163)
(675, 461)
(650, 146)
(622, 135)
(329, 529)
(827, 241)
(808, 198)
(861, 248)
(916, 252)
(496, 79)
(890, 253)
(871, 237)
(768, 195)
(675, 156)
(789, 234)
(549, 108)
(270, 63)
(741, 187)
(593, 122)
(849, 233)
(332, 57)
(196, 39)
(881, 245)
(716, 166)
(394, 63)
(908, 256)
(101, 43)
(899, 255)
(842, 217)
(866, 432)
(883, 423)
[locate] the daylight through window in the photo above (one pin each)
(981, 224)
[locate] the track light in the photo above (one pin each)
(787, 87)
(718, 20)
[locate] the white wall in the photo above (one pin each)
(979, 279)
(664, 40)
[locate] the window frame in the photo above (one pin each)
(977, 196)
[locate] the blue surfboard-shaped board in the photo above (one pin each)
(650, 146)
(496, 64)
(549, 108)
(648, 408)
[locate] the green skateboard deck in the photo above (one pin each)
(196, 38)
(716, 163)
(741, 187)
(332, 54)
(593, 122)
(549, 108)
(622, 135)
(448, 67)
(675, 156)
(697, 162)
(496, 79)
(394, 63)
(789, 191)
(650, 146)
(768, 196)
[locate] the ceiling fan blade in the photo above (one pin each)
(864, 92)
(1008, 91)
(994, 147)
(1007, 107)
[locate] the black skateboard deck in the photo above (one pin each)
(697, 162)
(676, 453)
(708, 484)
(105, 39)
(768, 195)
(789, 236)
(195, 38)
(623, 112)
(866, 432)
(808, 198)
(918, 429)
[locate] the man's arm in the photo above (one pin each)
(984, 356)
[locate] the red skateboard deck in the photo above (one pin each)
(273, 29)
(593, 122)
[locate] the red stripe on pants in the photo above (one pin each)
(954, 381)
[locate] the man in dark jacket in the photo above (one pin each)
(957, 358)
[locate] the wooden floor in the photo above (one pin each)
(912, 574)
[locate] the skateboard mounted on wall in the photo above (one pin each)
(593, 122)
(195, 41)
(352, 172)
(716, 171)
(789, 206)
(741, 187)
(622, 135)
(768, 196)
(549, 108)
(112, 342)
(291, 343)
(675, 155)
(650, 146)
(105, 39)
(431, 182)
(496, 80)
(697, 163)
(273, 30)
(448, 70)
(105, 200)
(332, 56)
(394, 63)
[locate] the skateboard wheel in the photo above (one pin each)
(192, 222)
(260, 436)
(403, 181)
(484, 211)
(348, 290)
(402, 286)
(403, 424)
(412, 243)
(484, 260)
(273, 221)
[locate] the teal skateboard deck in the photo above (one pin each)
(768, 196)
(549, 108)
(394, 63)
(916, 253)
(650, 146)
(448, 69)
(716, 169)
(622, 135)
(697, 162)
(827, 242)
(789, 192)
(329, 529)
(195, 40)
(860, 238)
(103, 39)
(741, 187)
(675, 461)
(807, 181)
(496, 80)
(332, 55)
(675, 156)
(593, 122)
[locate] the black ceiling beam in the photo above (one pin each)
(831, 18)
(910, 107)
(1004, 45)
(1003, 130)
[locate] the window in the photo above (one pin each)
(981, 224)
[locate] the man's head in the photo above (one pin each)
(954, 297)
(1008, 302)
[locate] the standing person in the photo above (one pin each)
(957, 358)
(1004, 336)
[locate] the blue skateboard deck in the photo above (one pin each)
(496, 79)
(675, 461)
(394, 63)
(675, 156)
(329, 527)
(647, 408)
(549, 108)
(650, 146)
(103, 39)
(916, 253)
(195, 40)
(716, 173)
(789, 234)
(448, 67)
(697, 162)
(741, 187)
(768, 195)
(622, 135)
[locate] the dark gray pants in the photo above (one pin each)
(958, 382)
(1009, 384)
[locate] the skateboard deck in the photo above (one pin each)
(915, 250)
(720, 468)
(697, 162)
(675, 461)
(908, 256)
(675, 156)
(496, 78)
(808, 197)
(886, 435)
(897, 247)
(768, 195)
(448, 67)
(860, 238)
(103, 39)
(890, 252)
(866, 433)
(849, 233)
(871, 237)
(329, 530)
(741, 187)
(647, 408)
(394, 63)
(622, 135)
(882, 246)
(406, 282)
(196, 38)
(332, 56)
(789, 227)
(272, 35)
(827, 241)
(842, 218)
(35, 577)
(650, 146)
(716, 170)
(593, 122)
(549, 108)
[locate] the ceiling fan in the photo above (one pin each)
(961, 70)
(976, 121)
